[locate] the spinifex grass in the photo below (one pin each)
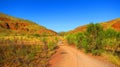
(17, 52)
(23, 56)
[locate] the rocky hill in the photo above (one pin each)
(16, 26)
(115, 24)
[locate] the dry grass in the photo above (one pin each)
(113, 58)
(15, 52)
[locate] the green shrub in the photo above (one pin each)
(52, 45)
(36, 35)
(70, 39)
(94, 34)
(79, 39)
(97, 52)
(96, 40)
(18, 55)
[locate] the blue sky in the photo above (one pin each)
(62, 15)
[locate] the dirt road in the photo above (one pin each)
(67, 56)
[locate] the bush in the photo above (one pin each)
(94, 34)
(96, 40)
(97, 52)
(70, 39)
(112, 40)
(52, 45)
(79, 39)
(15, 54)
(19, 55)
(36, 35)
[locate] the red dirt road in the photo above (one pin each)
(67, 56)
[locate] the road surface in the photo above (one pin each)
(67, 56)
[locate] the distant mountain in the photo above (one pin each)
(115, 24)
(16, 26)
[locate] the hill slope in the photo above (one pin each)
(11, 26)
(115, 24)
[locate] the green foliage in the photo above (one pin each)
(96, 40)
(85, 44)
(52, 45)
(44, 40)
(79, 39)
(112, 39)
(36, 35)
(94, 34)
(56, 39)
(71, 38)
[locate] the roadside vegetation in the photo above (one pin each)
(20, 51)
(24, 43)
(98, 41)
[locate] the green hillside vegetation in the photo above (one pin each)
(98, 41)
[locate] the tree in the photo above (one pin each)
(94, 36)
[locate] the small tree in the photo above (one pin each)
(94, 38)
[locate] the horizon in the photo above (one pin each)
(62, 15)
